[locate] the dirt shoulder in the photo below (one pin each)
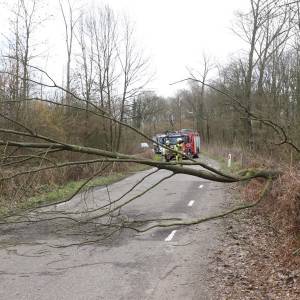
(254, 261)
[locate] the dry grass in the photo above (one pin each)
(246, 159)
(281, 208)
(19, 189)
(284, 201)
(282, 211)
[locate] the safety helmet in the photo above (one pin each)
(179, 140)
(167, 142)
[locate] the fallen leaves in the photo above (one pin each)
(249, 264)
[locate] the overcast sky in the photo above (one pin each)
(174, 33)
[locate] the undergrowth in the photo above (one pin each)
(48, 186)
(281, 208)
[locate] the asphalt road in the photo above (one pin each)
(169, 263)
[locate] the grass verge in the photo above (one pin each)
(55, 193)
(223, 162)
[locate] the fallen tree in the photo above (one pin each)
(30, 145)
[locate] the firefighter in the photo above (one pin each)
(179, 148)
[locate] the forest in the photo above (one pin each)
(249, 106)
(62, 130)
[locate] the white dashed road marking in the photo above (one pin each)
(200, 186)
(170, 236)
(191, 203)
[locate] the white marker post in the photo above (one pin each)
(229, 161)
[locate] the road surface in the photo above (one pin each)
(170, 263)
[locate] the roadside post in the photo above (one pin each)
(229, 161)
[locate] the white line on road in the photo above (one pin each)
(200, 186)
(191, 203)
(170, 236)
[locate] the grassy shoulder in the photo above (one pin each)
(55, 193)
(223, 162)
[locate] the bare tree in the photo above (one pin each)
(249, 30)
(86, 65)
(69, 20)
(104, 28)
(132, 71)
(25, 21)
(200, 113)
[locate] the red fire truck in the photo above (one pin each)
(190, 138)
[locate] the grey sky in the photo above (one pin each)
(176, 33)
(173, 33)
